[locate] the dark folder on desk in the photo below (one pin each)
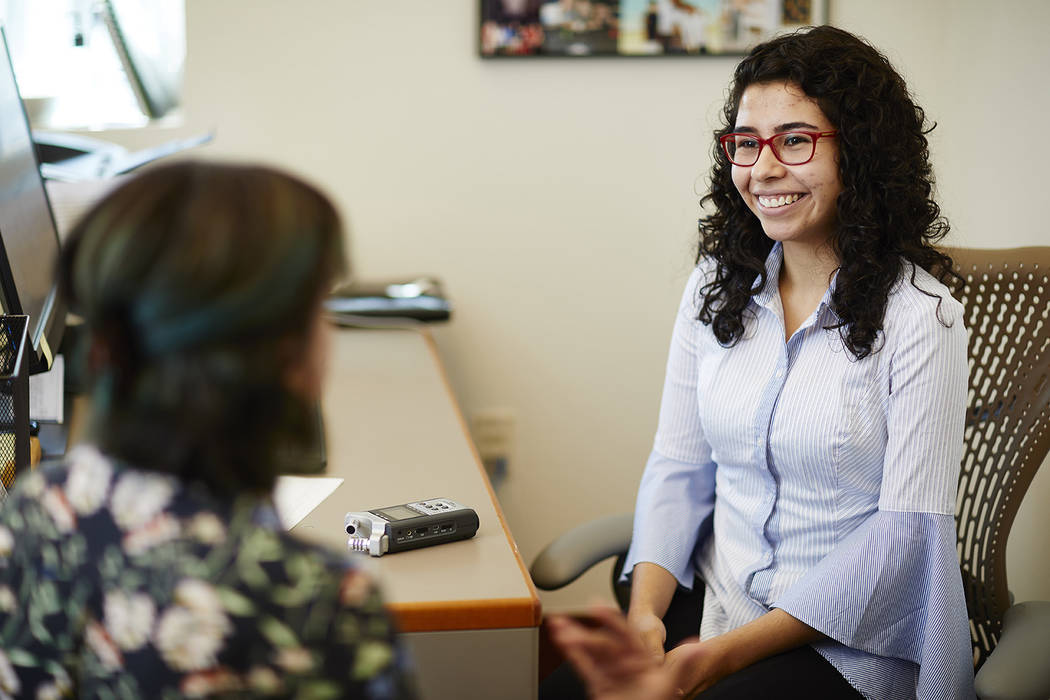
(421, 298)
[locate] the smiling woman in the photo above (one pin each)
(793, 202)
(807, 455)
(883, 207)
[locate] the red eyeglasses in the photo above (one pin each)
(789, 147)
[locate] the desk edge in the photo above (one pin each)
(453, 615)
(533, 601)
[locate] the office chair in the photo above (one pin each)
(1006, 299)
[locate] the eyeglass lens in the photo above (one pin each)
(791, 148)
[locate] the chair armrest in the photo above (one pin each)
(1019, 666)
(566, 558)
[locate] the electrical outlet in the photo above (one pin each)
(493, 432)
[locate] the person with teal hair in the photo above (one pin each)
(150, 561)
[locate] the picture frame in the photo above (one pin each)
(585, 28)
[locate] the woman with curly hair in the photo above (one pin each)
(805, 465)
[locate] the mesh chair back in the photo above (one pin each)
(14, 400)
(1006, 295)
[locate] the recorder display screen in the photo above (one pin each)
(397, 513)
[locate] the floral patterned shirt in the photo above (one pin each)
(122, 583)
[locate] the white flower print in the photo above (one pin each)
(89, 478)
(56, 505)
(206, 528)
(190, 633)
(7, 599)
(129, 619)
(8, 679)
(7, 542)
(33, 484)
(59, 687)
(138, 497)
(263, 679)
(199, 596)
(294, 659)
(184, 644)
(48, 691)
(210, 682)
(162, 528)
(98, 641)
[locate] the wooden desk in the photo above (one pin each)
(395, 435)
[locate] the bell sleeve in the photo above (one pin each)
(893, 588)
(677, 492)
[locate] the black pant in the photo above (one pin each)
(800, 673)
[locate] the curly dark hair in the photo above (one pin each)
(886, 211)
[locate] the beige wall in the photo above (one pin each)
(558, 199)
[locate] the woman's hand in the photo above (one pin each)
(696, 666)
(613, 661)
(651, 630)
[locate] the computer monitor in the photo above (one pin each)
(154, 76)
(28, 238)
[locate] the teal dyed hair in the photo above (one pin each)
(198, 283)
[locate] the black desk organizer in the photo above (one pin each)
(14, 399)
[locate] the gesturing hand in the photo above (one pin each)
(614, 662)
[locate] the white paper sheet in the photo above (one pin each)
(295, 496)
(46, 393)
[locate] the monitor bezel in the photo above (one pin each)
(49, 332)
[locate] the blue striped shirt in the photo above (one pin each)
(792, 475)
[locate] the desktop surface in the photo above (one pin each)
(394, 435)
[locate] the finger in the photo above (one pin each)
(610, 616)
(571, 638)
(616, 623)
(610, 625)
(597, 640)
(602, 648)
(626, 645)
(645, 648)
(598, 643)
(588, 671)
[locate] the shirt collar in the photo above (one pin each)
(769, 295)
